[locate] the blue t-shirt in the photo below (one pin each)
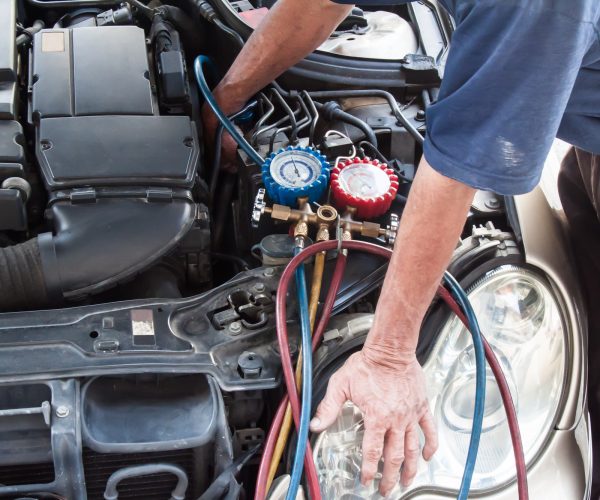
(519, 73)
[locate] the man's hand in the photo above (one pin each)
(394, 404)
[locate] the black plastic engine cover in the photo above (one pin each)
(117, 150)
(95, 113)
(91, 71)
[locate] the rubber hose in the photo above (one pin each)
(332, 111)
(311, 473)
(199, 62)
(286, 426)
(22, 281)
(480, 379)
(509, 405)
(282, 337)
(305, 409)
(28, 33)
(111, 493)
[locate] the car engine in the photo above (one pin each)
(137, 278)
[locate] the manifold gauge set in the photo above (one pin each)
(366, 187)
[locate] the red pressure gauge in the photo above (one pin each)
(364, 184)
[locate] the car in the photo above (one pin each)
(138, 281)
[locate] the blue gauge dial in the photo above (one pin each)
(293, 173)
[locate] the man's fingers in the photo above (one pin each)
(331, 405)
(372, 448)
(430, 432)
(393, 457)
(411, 454)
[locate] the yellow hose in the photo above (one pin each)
(286, 425)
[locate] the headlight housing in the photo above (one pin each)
(521, 318)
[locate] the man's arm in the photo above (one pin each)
(291, 30)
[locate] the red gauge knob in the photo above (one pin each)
(364, 184)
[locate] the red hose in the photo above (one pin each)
(287, 367)
(311, 473)
(509, 406)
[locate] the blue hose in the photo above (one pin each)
(298, 463)
(199, 62)
(463, 302)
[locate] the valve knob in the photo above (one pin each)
(259, 207)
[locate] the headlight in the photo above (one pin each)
(521, 319)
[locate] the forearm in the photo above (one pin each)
(429, 231)
(291, 30)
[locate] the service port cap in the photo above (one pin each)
(295, 172)
(364, 184)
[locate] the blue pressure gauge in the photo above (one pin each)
(293, 173)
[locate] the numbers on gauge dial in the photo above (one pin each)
(364, 180)
(295, 169)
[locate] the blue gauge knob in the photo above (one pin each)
(293, 173)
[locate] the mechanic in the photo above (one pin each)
(519, 73)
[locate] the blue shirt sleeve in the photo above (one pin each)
(508, 78)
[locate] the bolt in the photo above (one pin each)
(62, 412)
(259, 287)
(235, 327)
(420, 116)
(269, 271)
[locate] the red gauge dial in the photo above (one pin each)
(364, 184)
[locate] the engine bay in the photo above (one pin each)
(138, 278)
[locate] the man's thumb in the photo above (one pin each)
(329, 409)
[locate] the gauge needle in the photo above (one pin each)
(295, 168)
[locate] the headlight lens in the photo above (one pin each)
(521, 319)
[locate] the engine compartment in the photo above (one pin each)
(137, 296)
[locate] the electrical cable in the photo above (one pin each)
(383, 252)
(214, 173)
(232, 33)
(311, 473)
(509, 405)
(286, 426)
(199, 62)
(305, 409)
(333, 111)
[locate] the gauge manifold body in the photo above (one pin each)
(366, 185)
(295, 172)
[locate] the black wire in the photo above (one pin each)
(374, 150)
(383, 159)
(214, 174)
(233, 34)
